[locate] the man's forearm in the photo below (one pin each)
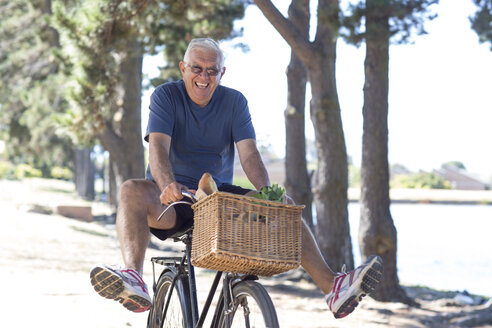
(255, 170)
(160, 166)
(161, 170)
(252, 163)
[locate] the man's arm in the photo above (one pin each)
(252, 163)
(161, 169)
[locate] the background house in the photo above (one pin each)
(461, 179)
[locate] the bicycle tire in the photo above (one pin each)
(179, 310)
(253, 298)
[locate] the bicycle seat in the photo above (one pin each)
(185, 228)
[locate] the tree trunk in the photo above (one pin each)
(84, 173)
(297, 180)
(113, 192)
(331, 177)
(123, 136)
(377, 233)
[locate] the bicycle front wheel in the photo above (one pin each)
(178, 313)
(252, 308)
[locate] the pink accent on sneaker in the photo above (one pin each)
(346, 293)
(124, 286)
(137, 277)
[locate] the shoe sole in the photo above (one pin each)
(109, 285)
(371, 276)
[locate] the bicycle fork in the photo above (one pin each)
(230, 302)
(228, 298)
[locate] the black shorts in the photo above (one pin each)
(184, 215)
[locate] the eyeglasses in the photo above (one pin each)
(195, 69)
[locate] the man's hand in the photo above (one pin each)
(172, 193)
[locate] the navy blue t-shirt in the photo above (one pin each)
(202, 138)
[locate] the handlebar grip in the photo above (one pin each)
(189, 195)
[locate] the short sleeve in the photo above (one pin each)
(162, 112)
(242, 126)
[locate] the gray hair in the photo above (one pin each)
(204, 43)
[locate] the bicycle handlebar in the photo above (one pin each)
(189, 195)
(185, 194)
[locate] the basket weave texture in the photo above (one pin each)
(235, 233)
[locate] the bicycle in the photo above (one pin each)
(175, 294)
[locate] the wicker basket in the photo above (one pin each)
(242, 234)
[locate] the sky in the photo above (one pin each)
(439, 94)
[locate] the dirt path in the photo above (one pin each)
(45, 262)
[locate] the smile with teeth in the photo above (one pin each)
(201, 85)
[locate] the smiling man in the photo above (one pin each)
(200, 87)
(193, 126)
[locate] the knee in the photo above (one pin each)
(131, 190)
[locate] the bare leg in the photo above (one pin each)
(139, 206)
(313, 262)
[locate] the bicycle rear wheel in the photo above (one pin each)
(178, 311)
(252, 308)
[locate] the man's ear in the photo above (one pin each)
(182, 67)
(223, 72)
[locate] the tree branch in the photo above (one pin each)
(299, 44)
(109, 138)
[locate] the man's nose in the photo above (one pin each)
(205, 74)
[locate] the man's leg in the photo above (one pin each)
(314, 263)
(139, 206)
(345, 290)
(138, 209)
(138, 199)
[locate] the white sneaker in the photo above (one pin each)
(350, 287)
(124, 286)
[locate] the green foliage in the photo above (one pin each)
(26, 171)
(455, 164)
(482, 21)
(61, 173)
(354, 176)
(7, 170)
(404, 18)
(90, 33)
(30, 87)
(421, 180)
(272, 193)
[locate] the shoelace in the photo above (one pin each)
(342, 272)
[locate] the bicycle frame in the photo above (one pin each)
(180, 263)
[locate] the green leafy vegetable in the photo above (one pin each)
(273, 193)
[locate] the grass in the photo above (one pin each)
(243, 182)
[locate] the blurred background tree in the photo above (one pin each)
(30, 87)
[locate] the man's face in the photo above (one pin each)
(198, 75)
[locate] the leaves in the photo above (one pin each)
(482, 21)
(30, 86)
(272, 193)
(405, 18)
